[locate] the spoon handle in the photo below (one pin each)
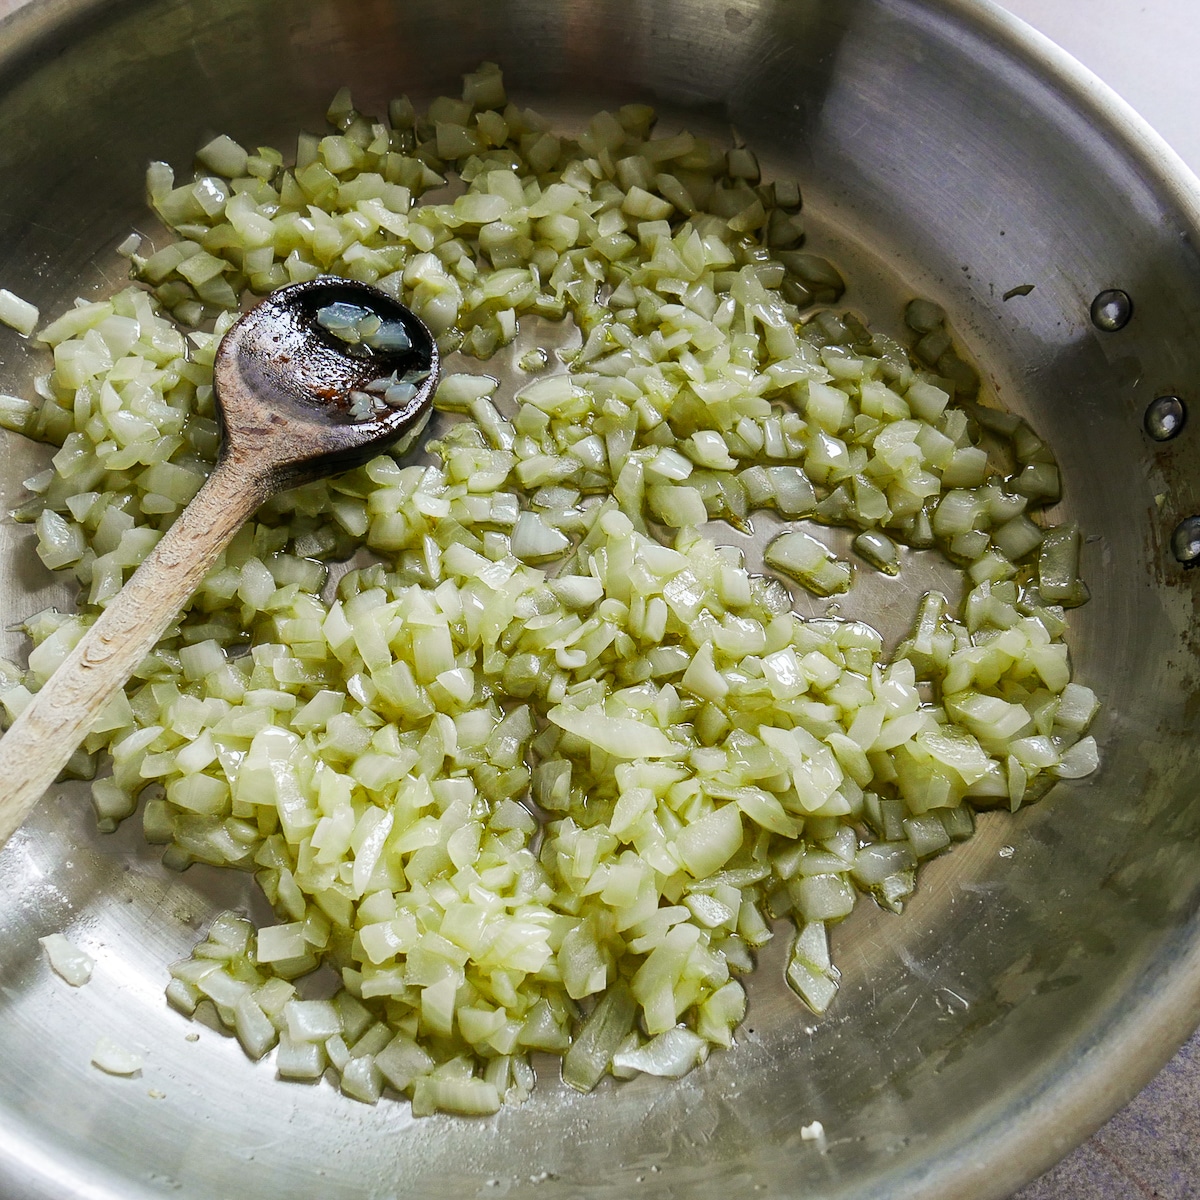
(47, 732)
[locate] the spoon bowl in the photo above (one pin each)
(282, 382)
(296, 403)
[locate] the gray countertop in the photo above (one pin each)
(1146, 50)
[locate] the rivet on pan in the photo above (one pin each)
(1185, 541)
(1165, 418)
(1111, 310)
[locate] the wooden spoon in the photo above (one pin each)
(283, 385)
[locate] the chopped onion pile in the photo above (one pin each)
(540, 778)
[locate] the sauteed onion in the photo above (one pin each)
(540, 776)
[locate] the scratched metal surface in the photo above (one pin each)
(1023, 996)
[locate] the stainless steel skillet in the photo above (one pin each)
(1021, 998)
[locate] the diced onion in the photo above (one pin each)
(113, 1059)
(67, 960)
(18, 314)
(547, 644)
